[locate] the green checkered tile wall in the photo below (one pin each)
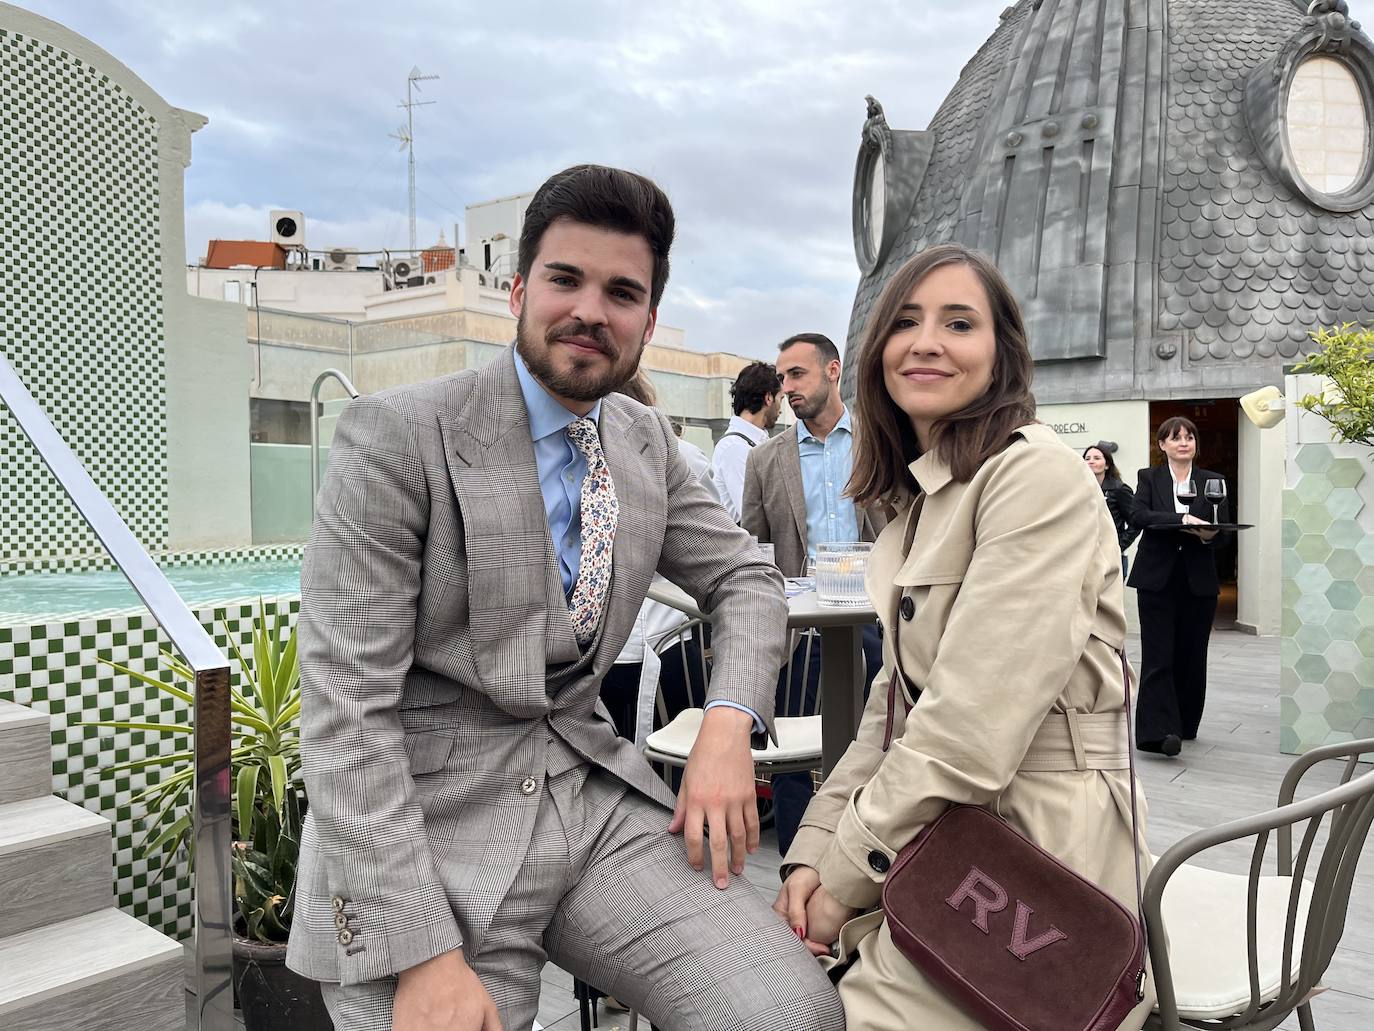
(55, 668)
(81, 246)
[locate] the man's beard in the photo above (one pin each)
(581, 382)
(810, 407)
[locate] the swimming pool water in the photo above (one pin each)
(64, 594)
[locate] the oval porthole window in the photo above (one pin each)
(1328, 126)
(876, 205)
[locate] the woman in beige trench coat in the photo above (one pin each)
(1001, 583)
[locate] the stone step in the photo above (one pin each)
(54, 863)
(104, 971)
(25, 754)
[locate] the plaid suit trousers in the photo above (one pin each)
(606, 893)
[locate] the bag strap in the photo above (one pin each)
(737, 433)
(1135, 827)
(894, 686)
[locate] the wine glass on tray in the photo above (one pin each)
(1214, 491)
(1186, 492)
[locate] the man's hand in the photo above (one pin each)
(824, 918)
(443, 994)
(796, 891)
(718, 794)
(1191, 521)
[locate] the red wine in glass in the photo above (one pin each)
(1215, 492)
(1186, 492)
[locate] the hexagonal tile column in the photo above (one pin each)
(1328, 597)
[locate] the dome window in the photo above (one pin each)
(1310, 108)
(887, 177)
(1328, 125)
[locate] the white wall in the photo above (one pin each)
(503, 215)
(1126, 422)
(340, 295)
(1259, 605)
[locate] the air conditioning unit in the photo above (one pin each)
(288, 229)
(341, 259)
(400, 274)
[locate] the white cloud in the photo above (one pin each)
(747, 111)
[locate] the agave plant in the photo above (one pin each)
(265, 713)
(265, 873)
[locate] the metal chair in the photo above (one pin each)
(798, 747)
(1245, 951)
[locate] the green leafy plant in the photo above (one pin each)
(1346, 358)
(268, 792)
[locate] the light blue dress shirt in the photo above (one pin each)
(561, 471)
(825, 466)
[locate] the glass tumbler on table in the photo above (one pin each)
(840, 570)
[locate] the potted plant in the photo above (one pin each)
(1345, 356)
(268, 803)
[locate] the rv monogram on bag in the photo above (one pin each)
(996, 901)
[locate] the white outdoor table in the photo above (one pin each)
(842, 659)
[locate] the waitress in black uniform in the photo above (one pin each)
(1175, 578)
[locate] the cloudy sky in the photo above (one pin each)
(747, 112)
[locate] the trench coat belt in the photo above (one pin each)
(1073, 740)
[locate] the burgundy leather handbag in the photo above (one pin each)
(1005, 929)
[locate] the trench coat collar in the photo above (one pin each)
(934, 475)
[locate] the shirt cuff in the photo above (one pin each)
(759, 726)
(856, 863)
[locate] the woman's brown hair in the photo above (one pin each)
(1171, 427)
(885, 443)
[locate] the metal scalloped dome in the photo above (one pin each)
(1116, 160)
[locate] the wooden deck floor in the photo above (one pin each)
(1232, 770)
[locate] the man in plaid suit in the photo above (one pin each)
(481, 546)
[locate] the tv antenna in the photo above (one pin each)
(406, 134)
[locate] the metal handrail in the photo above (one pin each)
(211, 799)
(315, 424)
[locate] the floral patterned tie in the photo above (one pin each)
(599, 513)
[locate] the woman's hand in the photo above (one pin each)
(824, 918)
(796, 891)
(1194, 525)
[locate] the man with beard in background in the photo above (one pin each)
(794, 499)
(481, 547)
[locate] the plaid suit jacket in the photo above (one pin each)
(431, 616)
(774, 502)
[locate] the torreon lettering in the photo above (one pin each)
(1069, 427)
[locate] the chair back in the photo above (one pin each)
(685, 674)
(799, 679)
(1351, 807)
(1325, 867)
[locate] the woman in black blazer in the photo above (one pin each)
(1175, 577)
(1115, 493)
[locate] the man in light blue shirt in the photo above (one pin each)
(561, 471)
(826, 462)
(794, 499)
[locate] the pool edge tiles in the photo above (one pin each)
(9, 620)
(289, 552)
(54, 667)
